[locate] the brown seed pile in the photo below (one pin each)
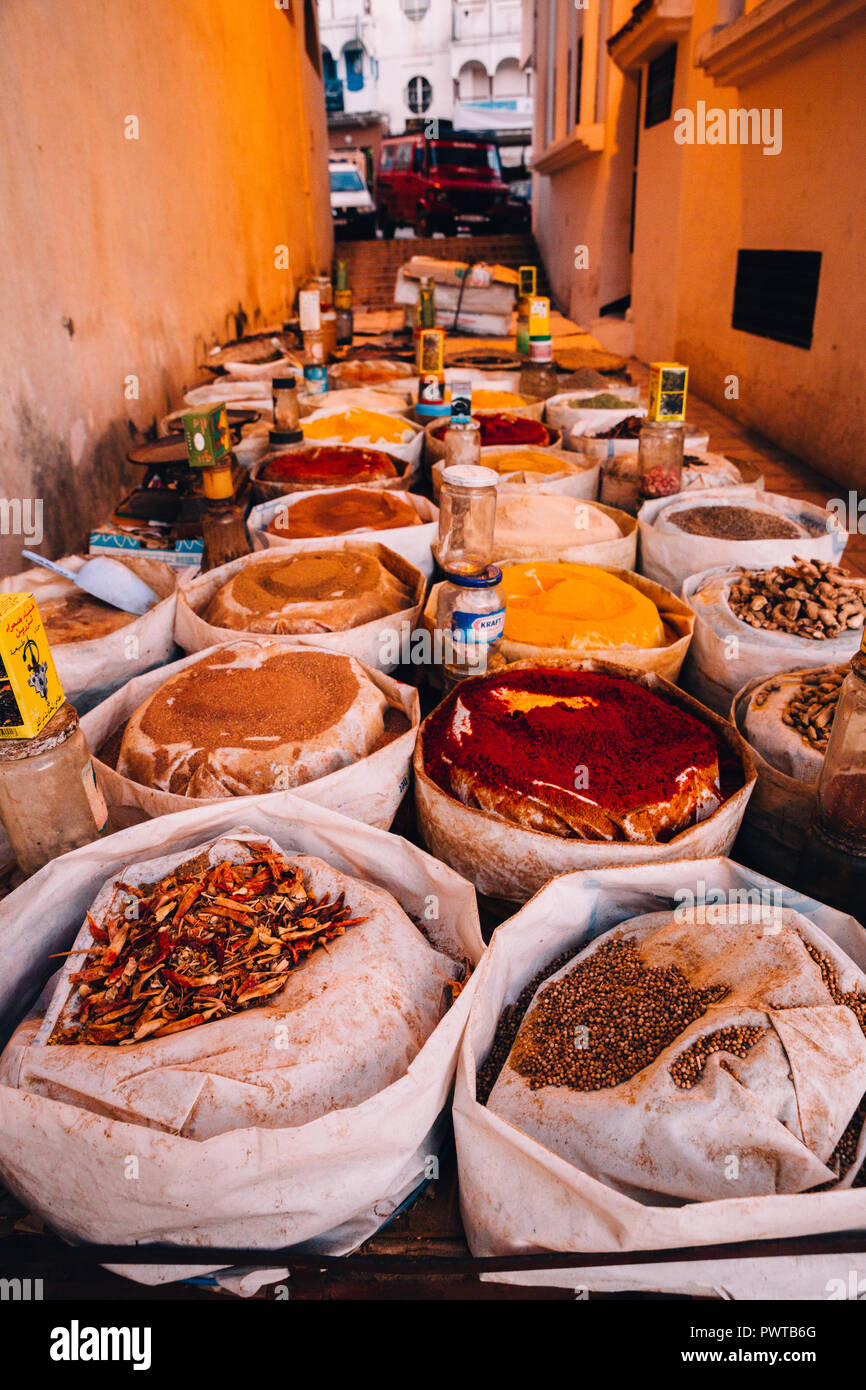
(506, 1029)
(734, 524)
(845, 1151)
(810, 598)
(812, 707)
(606, 1020)
(688, 1068)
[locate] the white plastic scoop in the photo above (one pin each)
(107, 580)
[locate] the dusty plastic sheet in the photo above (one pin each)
(506, 861)
(369, 790)
(412, 542)
(517, 1197)
(670, 557)
(370, 642)
(727, 653)
(326, 1184)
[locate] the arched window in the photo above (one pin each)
(415, 9)
(474, 84)
(419, 95)
(329, 67)
(353, 57)
(508, 80)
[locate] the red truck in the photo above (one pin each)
(434, 185)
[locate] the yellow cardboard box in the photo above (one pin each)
(668, 386)
(30, 689)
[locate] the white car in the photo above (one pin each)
(353, 209)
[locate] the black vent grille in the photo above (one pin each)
(776, 293)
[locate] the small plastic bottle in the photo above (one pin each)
(470, 616)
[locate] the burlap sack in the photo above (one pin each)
(88, 670)
(328, 1181)
(727, 654)
(369, 789)
(506, 861)
(517, 1195)
(670, 557)
(665, 661)
(369, 642)
(412, 542)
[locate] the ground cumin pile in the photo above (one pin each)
(293, 695)
(317, 575)
(734, 524)
(606, 1020)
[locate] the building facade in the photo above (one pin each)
(699, 170)
(388, 61)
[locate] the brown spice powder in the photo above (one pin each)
(316, 575)
(293, 695)
(734, 524)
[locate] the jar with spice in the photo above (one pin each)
(660, 458)
(50, 800)
(467, 516)
(287, 428)
(470, 616)
(345, 317)
(833, 865)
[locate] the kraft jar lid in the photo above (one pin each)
(469, 475)
(55, 732)
(487, 579)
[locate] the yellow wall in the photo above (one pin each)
(588, 201)
(697, 205)
(126, 257)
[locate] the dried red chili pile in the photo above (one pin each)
(203, 943)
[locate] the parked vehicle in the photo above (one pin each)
(434, 185)
(519, 207)
(352, 206)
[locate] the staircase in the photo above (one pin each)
(373, 265)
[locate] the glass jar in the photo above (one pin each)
(660, 458)
(329, 332)
(309, 312)
(470, 616)
(620, 479)
(285, 395)
(538, 375)
(467, 516)
(345, 317)
(462, 441)
(522, 338)
(323, 286)
(50, 800)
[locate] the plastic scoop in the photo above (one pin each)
(105, 579)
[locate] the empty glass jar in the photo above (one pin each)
(467, 516)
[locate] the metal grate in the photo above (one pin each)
(775, 295)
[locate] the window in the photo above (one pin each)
(386, 161)
(353, 56)
(776, 293)
(466, 156)
(578, 79)
(418, 159)
(419, 95)
(415, 9)
(404, 156)
(311, 34)
(346, 181)
(660, 87)
(329, 67)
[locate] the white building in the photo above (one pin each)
(457, 60)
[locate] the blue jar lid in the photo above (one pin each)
(485, 580)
